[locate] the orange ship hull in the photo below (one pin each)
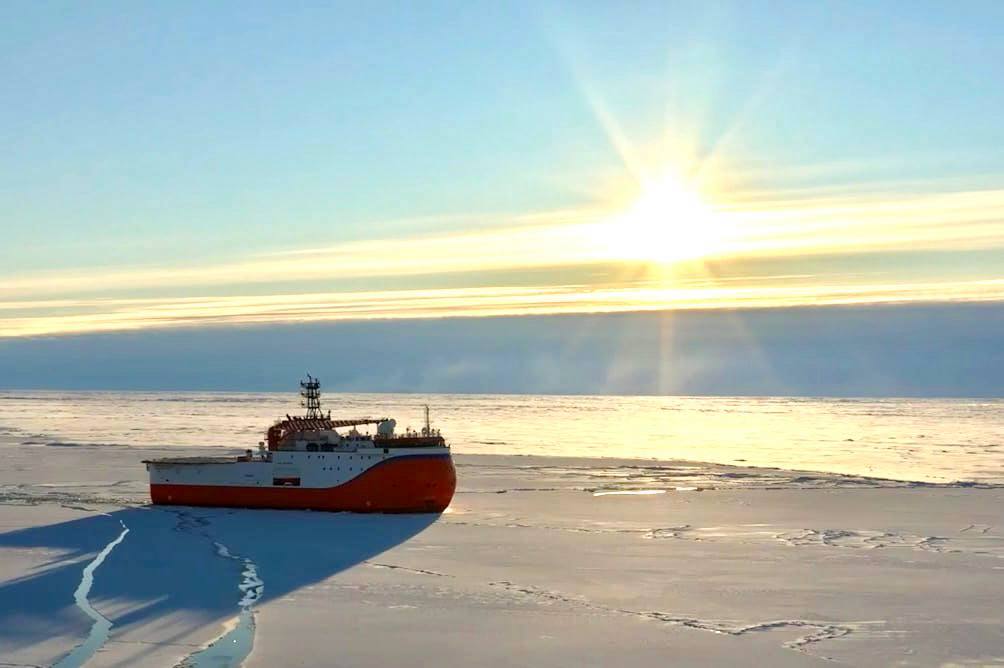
(414, 484)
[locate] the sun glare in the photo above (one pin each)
(667, 222)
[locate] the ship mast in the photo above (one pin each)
(310, 390)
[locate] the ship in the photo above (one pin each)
(314, 462)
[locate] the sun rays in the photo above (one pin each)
(667, 222)
(665, 232)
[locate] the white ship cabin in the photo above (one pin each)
(317, 432)
(329, 440)
(320, 435)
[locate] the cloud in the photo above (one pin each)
(42, 318)
(782, 230)
(903, 350)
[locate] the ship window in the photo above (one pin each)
(312, 447)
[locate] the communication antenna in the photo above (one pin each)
(428, 427)
(310, 390)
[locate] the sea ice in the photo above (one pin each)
(527, 566)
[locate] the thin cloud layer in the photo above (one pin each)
(83, 316)
(785, 230)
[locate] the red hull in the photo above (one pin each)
(416, 484)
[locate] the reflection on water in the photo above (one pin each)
(928, 440)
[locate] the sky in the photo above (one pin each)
(837, 351)
(199, 172)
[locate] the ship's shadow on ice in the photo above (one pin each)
(168, 571)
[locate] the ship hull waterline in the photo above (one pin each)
(409, 485)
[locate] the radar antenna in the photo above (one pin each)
(310, 390)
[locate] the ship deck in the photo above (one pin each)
(192, 460)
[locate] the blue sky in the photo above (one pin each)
(184, 165)
(188, 128)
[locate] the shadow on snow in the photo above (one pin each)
(167, 568)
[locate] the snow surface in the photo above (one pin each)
(536, 562)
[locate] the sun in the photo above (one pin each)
(667, 222)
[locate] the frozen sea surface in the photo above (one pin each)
(906, 439)
(538, 561)
(864, 552)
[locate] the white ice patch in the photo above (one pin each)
(818, 630)
(978, 542)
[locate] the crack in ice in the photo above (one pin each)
(823, 630)
(102, 625)
(235, 645)
(419, 571)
